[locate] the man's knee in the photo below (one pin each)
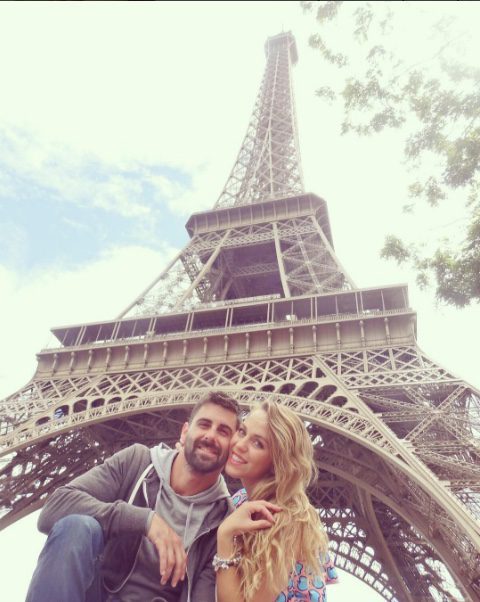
(80, 530)
(69, 561)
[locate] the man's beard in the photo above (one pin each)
(198, 461)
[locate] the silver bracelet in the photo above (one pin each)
(225, 563)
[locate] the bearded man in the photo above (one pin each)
(141, 527)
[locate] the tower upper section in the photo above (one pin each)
(268, 164)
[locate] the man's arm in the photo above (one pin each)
(101, 493)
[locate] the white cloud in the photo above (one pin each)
(120, 194)
(36, 167)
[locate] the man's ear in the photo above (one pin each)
(183, 433)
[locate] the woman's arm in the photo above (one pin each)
(243, 520)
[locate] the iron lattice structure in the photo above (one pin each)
(257, 304)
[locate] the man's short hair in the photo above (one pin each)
(220, 399)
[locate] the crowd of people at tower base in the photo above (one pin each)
(160, 525)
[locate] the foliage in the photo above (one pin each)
(434, 101)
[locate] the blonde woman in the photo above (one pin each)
(274, 541)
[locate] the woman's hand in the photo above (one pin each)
(250, 516)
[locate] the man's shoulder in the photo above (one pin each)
(135, 457)
(136, 450)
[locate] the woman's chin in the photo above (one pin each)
(231, 471)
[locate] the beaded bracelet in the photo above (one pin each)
(225, 563)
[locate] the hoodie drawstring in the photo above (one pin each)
(139, 483)
(187, 522)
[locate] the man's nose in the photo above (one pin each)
(210, 435)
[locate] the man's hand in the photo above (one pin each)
(173, 558)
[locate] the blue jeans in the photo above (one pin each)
(68, 566)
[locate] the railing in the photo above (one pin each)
(149, 336)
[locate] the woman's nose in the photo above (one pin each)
(240, 444)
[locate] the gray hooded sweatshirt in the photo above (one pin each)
(184, 514)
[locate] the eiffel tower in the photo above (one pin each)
(258, 304)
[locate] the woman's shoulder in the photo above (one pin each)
(239, 497)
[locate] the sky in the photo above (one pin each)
(118, 120)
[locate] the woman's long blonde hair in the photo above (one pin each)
(298, 533)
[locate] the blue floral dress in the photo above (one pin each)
(300, 587)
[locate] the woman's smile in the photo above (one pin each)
(236, 459)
